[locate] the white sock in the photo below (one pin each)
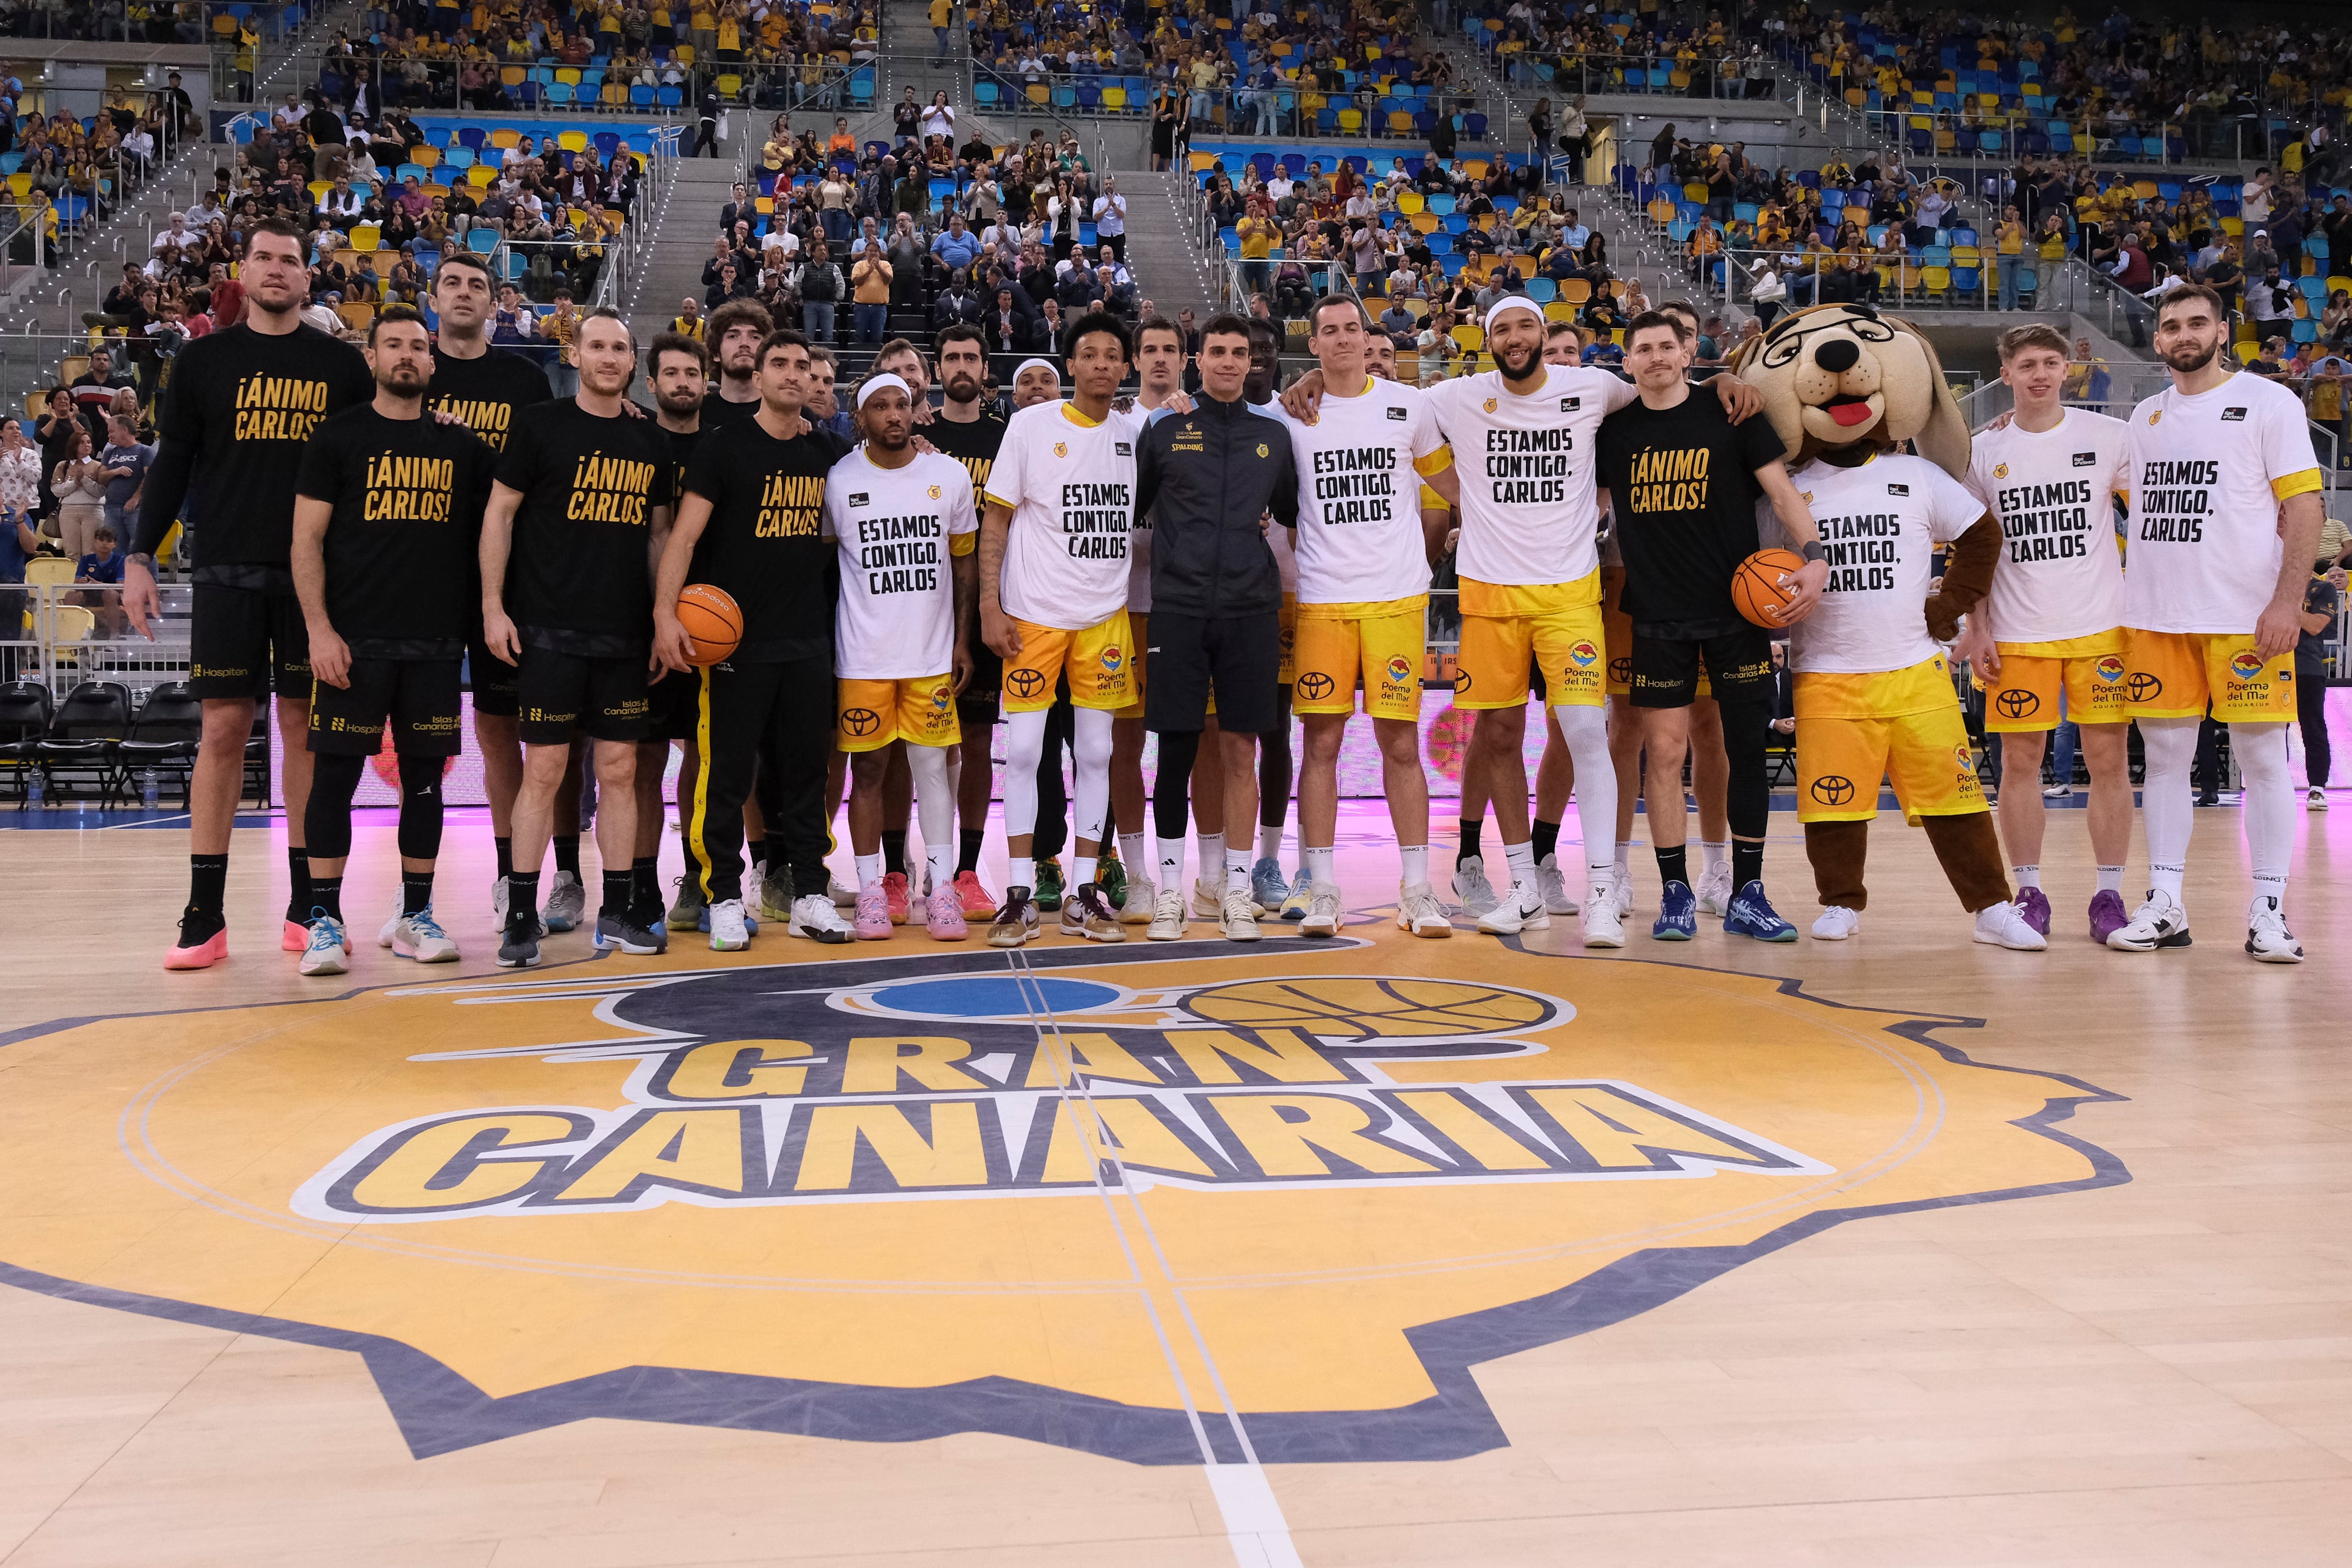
(1415, 864)
(1171, 866)
(1320, 871)
(1130, 850)
(1211, 847)
(1082, 870)
(1625, 866)
(1021, 871)
(1521, 859)
(2262, 753)
(869, 872)
(941, 858)
(1715, 854)
(2026, 875)
(2111, 879)
(1269, 841)
(2167, 809)
(1237, 870)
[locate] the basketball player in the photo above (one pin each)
(969, 431)
(580, 506)
(241, 404)
(679, 368)
(1529, 566)
(1208, 476)
(2048, 640)
(1159, 369)
(751, 523)
(385, 513)
(2226, 514)
(1267, 888)
(903, 520)
(734, 332)
(1053, 597)
(1682, 482)
(486, 387)
(900, 357)
(1364, 550)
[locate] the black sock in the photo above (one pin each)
(326, 893)
(1747, 863)
(207, 891)
(644, 881)
(755, 851)
(415, 892)
(298, 876)
(969, 860)
(618, 892)
(522, 898)
(1469, 847)
(567, 853)
(506, 855)
(1674, 864)
(894, 850)
(1547, 838)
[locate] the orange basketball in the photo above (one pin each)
(711, 619)
(1756, 587)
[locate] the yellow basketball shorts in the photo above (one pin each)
(2173, 675)
(920, 711)
(1098, 659)
(1380, 643)
(1556, 626)
(2089, 671)
(1901, 725)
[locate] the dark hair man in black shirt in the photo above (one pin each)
(679, 369)
(242, 402)
(582, 507)
(386, 514)
(969, 431)
(733, 333)
(1682, 482)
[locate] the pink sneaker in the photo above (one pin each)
(296, 938)
(893, 888)
(873, 922)
(943, 912)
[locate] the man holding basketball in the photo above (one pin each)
(1683, 482)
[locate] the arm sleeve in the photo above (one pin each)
(179, 428)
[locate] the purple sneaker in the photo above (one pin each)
(2034, 906)
(873, 923)
(2107, 916)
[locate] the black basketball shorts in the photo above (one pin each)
(1239, 657)
(558, 693)
(245, 642)
(419, 698)
(1738, 661)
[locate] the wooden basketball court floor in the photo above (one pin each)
(1902, 1251)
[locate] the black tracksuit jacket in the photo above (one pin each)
(1206, 478)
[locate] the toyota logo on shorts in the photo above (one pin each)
(2145, 687)
(1461, 681)
(1833, 789)
(1314, 686)
(2015, 702)
(1026, 683)
(859, 721)
(1621, 670)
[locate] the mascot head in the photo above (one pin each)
(1836, 376)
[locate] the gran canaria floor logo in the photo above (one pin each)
(897, 1196)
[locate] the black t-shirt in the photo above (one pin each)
(408, 496)
(764, 543)
(1683, 482)
(579, 578)
(681, 453)
(717, 413)
(2319, 598)
(486, 392)
(974, 445)
(240, 405)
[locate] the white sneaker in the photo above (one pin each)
(1142, 904)
(1715, 889)
(2002, 925)
(499, 903)
(1167, 917)
(420, 937)
(392, 924)
(1471, 886)
(814, 916)
(2316, 799)
(325, 955)
(1521, 909)
(1322, 917)
(729, 933)
(1603, 926)
(2267, 937)
(565, 904)
(1418, 911)
(1239, 916)
(1208, 897)
(2160, 922)
(1620, 891)
(1836, 924)
(1553, 886)
(843, 897)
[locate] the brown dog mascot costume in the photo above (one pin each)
(1845, 388)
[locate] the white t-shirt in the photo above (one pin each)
(1071, 486)
(1529, 515)
(897, 528)
(2207, 476)
(2060, 575)
(1359, 539)
(1881, 523)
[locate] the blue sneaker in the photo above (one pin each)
(1752, 914)
(1301, 897)
(1677, 914)
(1268, 887)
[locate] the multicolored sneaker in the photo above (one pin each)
(629, 932)
(943, 914)
(689, 911)
(2107, 914)
(1016, 923)
(1047, 894)
(1471, 886)
(420, 937)
(730, 927)
(1678, 918)
(1752, 914)
(972, 893)
(1269, 889)
(328, 953)
(1110, 876)
(1084, 913)
(1300, 898)
(2159, 922)
(203, 942)
(567, 902)
(873, 923)
(2033, 904)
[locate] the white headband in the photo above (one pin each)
(882, 382)
(1514, 302)
(1045, 364)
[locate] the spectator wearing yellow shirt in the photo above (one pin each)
(561, 328)
(943, 12)
(688, 322)
(1256, 232)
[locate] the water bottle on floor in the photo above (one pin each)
(149, 792)
(36, 788)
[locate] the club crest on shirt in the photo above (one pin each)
(2234, 415)
(2155, 414)
(1061, 449)
(1488, 405)
(2000, 470)
(1262, 450)
(932, 492)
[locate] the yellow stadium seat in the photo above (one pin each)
(356, 315)
(1575, 291)
(1555, 310)
(320, 188)
(1351, 122)
(1409, 202)
(730, 85)
(1695, 191)
(684, 54)
(577, 141)
(568, 75)
(1040, 93)
(505, 138)
(1476, 168)
(1399, 122)
(1114, 98)
(1426, 222)
(425, 156)
(1471, 338)
(480, 175)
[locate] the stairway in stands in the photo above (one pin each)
(684, 226)
(1163, 247)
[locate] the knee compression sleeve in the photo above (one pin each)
(1749, 799)
(1024, 747)
(934, 795)
(1172, 789)
(327, 819)
(1090, 751)
(420, 808)
(2167, 812)
(2261, 751)
(1586, 731)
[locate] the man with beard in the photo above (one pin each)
(733, 332)
(385, 512)
(970, 431)
(679, 368)
(1268, 889)
(242, 402)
